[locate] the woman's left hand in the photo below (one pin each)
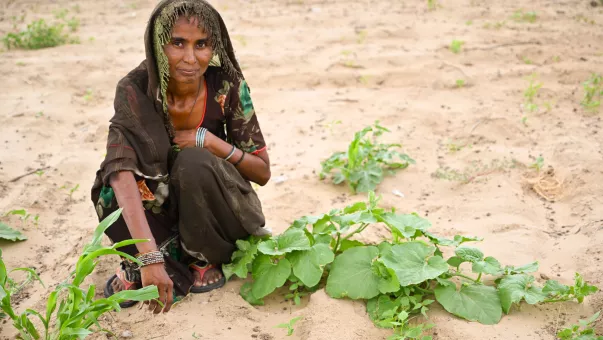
(185, 138)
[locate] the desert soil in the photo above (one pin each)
(310, 64)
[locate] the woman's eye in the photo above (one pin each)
(201, 45)
(177, 43)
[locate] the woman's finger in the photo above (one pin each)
(169, 297)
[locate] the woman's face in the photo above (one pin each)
(189, 52)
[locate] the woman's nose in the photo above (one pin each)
(189, 55)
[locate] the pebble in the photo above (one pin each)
(127, 334)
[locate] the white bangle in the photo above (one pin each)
(234, 148)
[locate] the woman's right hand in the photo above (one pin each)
(155, 274)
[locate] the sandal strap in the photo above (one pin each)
(201, 269)
(122, 275)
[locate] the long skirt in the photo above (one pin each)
(210, 207)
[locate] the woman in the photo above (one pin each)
(182, 147)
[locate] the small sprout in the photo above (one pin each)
(40, 173)
(460, 83)
(521, 16)
(364, 79)
(527, 61)
(456, 46)
(538, 164)
(530, 94)
(39, 114)
(593, 92)
(289, 325)
(91, 39)
(556, 58)
(432, 5)
(74, 189)
(346, 53)
(20, 63)
(361, 36)
(88, 95)
(469, 22)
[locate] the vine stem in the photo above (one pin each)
(465, 277)
(479, 277)
(336, 249)
(359, 230)
(424, 290)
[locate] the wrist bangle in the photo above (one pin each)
(240, 159)
(151, 257)
(234, 148)
(200, 137)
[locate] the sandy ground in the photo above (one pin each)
(311, 63)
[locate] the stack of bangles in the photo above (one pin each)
(200, 140)
(151, 257)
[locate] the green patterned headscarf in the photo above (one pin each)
(159, 31)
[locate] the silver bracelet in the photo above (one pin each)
(200, 137)
(151, 257)
(234, 148)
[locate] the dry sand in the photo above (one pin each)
(298, 58)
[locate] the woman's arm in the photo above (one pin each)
(128, 198)
(255, 168)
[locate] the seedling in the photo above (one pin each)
(73, 315)
(366, 162)
(73, 190)
(88, 95)
(530, 94)
(521, 16)
(40, 173)
(456, 46)
(361, 36)
(593, 92)
(39, 114)
(20, 63)
(527, 61)
(364, 80)
(460, 83)
(401, 276)
(584, 330)
(538, 164)
(469, 22)
(289, 325)
(432, 5)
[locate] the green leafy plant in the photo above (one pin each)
(582, 331)
(289, 325)
(531, 92)
(456, 46)
(432, 5)
(24, 215)
(72, 312)
(460, 83)
(593, 92)
(400, 277)
(521, 16)
(10, 234)
(40, 34)
(366, 162)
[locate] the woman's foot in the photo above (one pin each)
(207, 278)
(211, 276)
(118, 283)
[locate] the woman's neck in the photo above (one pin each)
(182, 91)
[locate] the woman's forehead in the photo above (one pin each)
(188, 24)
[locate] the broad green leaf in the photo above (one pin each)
(458, 239)
(381, 307)
(302, 222)
(414, 262)
(525, 269)
(514, 288)
(358, 206)
(469, 254)
(308, 265)
(489, 266)
(367, 178)
(290, 240)
(247, 295)
(455, 261)
(268, 276)
(552, 287)
(29, 326)
(472, 302)
(347, 244)
(10, 234)
(407, 225)
(352, 274)
(242, 260)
